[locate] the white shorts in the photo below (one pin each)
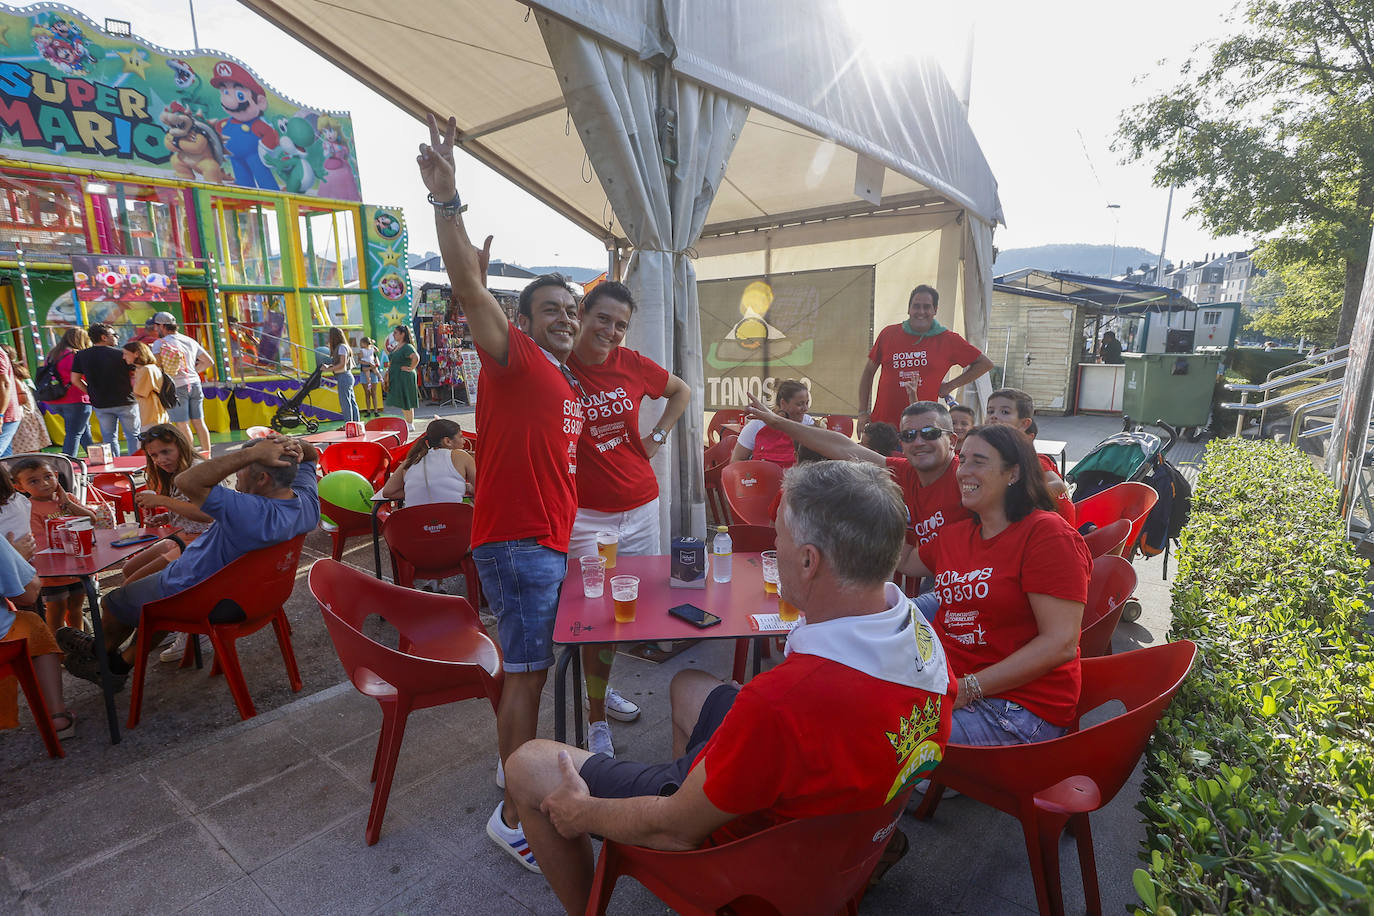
(638, 530)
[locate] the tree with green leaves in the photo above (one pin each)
(1297, 298)
(1272, 129)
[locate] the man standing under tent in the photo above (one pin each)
(529, 418)
(919, 349)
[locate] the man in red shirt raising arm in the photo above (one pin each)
(616, 488)
(529, 416)
(792, 742)
(919, 349)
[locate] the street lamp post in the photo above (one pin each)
(1116, 217)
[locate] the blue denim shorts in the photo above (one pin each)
(190, 405)
(521, 580)
(126, 602)
(997, 721)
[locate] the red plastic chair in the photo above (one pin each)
(432, 541)
(344, 524)
(119, 490)
(240, 599)
(839, 423)
(1125, 500)
(828, 863)
(750, 488)
(470, 439)
(1052, 784)
(391, 424)
(753, 538)
(714, 460)
(397, 455)
(714, 433)
(15, 662)
(1112, 582)
(369, 459)
(444, 656)
(1109, 539)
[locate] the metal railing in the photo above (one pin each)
(1317, 366)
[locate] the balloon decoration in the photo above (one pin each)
(347, 490)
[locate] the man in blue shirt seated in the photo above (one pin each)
(275, 500)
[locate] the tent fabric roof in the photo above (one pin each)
(818, 104)
(1098, 293)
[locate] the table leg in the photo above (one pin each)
(101, 657)
(577, 697)
(376, 543)
(758, 654)
(560, 695)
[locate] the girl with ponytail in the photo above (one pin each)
(437, 468)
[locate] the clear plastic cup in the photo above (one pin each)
(593, 576)
(770, 572)
(625, 594)
(607, 543)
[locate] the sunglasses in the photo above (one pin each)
(160, 433)
(928, 433)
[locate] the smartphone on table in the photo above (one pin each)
(694, 615)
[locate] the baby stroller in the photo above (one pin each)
(289, 414)
(1136, 455)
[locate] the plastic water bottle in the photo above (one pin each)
(721, 551)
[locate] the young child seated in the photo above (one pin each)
(14, 516)
(1014, 407)
(961, 415)
(882, 438)
(37, 478)
(17, 581)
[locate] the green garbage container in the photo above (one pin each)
(1173, 387)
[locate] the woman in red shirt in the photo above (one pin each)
(1012, 583)
(74, 407)
(763, 443)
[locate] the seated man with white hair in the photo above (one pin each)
(791, 743)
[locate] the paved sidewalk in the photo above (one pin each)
(267, 816)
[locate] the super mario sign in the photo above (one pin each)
(69, 91)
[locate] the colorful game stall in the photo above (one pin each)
(134, 179)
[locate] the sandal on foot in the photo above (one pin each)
(896, 848)
(64, 731)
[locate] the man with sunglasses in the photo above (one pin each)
(924, 470)
(529, 414)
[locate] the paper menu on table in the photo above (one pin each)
(770, 623)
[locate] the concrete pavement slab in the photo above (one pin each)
(208, 776)
(241, 898)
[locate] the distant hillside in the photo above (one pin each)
(1092, 260)
(575, 274)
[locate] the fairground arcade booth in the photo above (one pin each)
(135, 180)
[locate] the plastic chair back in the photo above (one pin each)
(429, 541)
(753, 538)
(347, 523)
(470, 440)
(397, 455)
(714, 433)
(750, 488)
(1125, 500)
(829, 860)
(714, 460)
(444, 655)
(369, 459)
(15, 662)
(840, 424)
(240, 599)
(1112, 582)
(119, 490)
(395, 425)
(1109, 539)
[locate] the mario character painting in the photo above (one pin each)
(248, 138)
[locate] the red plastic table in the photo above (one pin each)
(584, 620)
(124, 464)
(324, 440)
(103, 556)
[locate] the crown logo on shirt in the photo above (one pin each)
(924, 722)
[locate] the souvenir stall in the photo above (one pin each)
(135, 180)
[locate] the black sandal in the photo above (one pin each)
(68, 730)
(896, 848)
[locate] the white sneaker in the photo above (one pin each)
(617, 707)
(176, 650)
(500, 774)
(599, 739)
(511, 839)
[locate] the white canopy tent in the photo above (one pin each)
(755, 137)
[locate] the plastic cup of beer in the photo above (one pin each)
(593, 576)
(625, 593)
(786, 610)
(770, 572)
(606, 544)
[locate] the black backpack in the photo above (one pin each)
(48, 385)
(167, 394)
(1166, 520)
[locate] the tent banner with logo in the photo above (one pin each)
(815, 326)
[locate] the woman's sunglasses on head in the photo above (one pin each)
(160, 433)
(928, 433)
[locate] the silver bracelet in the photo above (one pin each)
(970, 685)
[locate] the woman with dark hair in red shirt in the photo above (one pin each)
(1012, 583)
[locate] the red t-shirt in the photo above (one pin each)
(529, 418)
(902, 357)
(1062, 504)
(931, 507)
(613, 472)
(797, 744)
(984, 613)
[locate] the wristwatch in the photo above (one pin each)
(659, 436)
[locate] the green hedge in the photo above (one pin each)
(1258, 785)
